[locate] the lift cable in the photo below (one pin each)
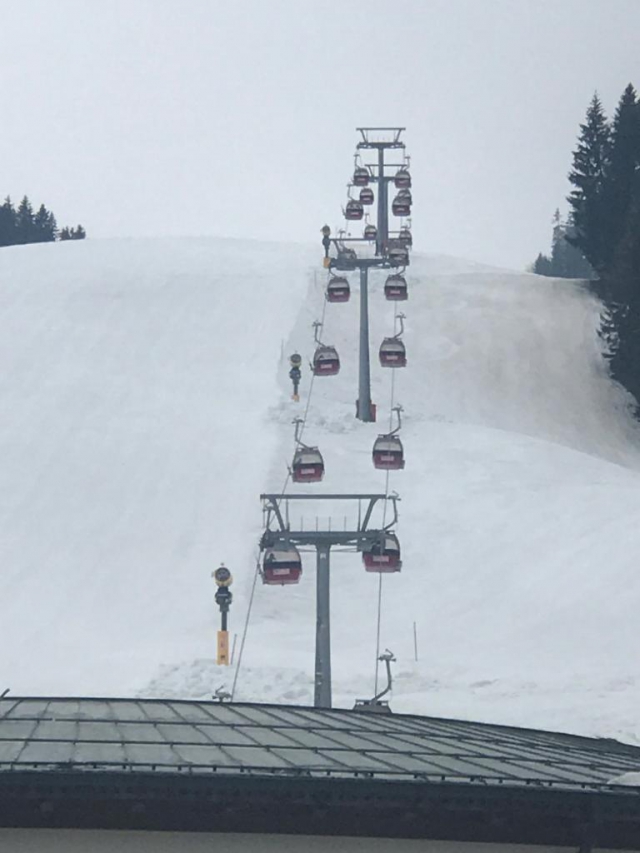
(379, 615)
(384, 509)
(246, 627)
(303, 421)
(282, 496)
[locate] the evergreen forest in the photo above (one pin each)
(600, 239)
(23, 224)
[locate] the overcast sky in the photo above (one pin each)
(237, 118)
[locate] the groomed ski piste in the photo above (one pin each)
(145, 405)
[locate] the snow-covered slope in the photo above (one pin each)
(146, 406)
(136, 377)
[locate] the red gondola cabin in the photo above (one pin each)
(326, 361)
(405, 237)
(395, 288)
(392, 353)
(360, 177)
(346, 258)
(307, 465)
(366, 195)
(398, 254)
(370, 232)
(400, 207)
(402, 179)
(281, 565)
(383, 556)
(338, 289)
(388, 454)
(354, 210)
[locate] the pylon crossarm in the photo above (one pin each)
(357, 536)
(339, 242)
(270, 496)
(393, 142)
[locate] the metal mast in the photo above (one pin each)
(378, 545)
(322, 691)
(361, 536)
(380, 139)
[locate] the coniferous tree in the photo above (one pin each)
(52, 226)
(559, 260)
(542, 265)
(40, 224)
(65, 233)
(588, 176)
(565, 260)
(7, 223)
(624, 159)
(621, 287)
(24, 222)
(574, 261)
(44, 226)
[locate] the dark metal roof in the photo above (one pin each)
(167, 764)
(201, 737)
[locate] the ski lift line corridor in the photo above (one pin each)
(397, 319)
(327, 365)
(282, 564)
(281, 561)
(279, 570)
(308, 464)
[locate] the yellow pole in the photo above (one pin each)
(223, 648)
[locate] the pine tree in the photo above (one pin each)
(25, 230)
(39, 224)
(588, 176)
(575, 263)
(65, 234)
(78, 233)
(542, 265)
(52, 226)
(44, 226)
(624, 160)
(7, 223)
(565, 261)
(559, 265)
(621, 291)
